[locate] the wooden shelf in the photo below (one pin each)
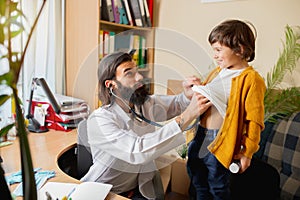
(82, 44)
(147, 32)
(105, 25)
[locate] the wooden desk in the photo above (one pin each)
(45, 149)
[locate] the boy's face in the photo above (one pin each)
(226, 57)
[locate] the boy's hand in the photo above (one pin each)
(188, 84)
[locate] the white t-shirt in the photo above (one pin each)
(218, 90)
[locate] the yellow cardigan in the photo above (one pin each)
(244, 119)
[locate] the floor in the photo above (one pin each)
(175, 196)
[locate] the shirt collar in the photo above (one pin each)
(120, 112)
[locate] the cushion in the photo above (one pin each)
(282, 151)
(263, 139)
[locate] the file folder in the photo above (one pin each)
(136, 12)
(107, 11)
(143, 15)
(122, 13)
(115, 11)
(128, 12)
(147, 14)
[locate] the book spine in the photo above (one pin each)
(128, 12)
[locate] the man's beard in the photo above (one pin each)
(135, 96)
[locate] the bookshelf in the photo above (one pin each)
(83, 25)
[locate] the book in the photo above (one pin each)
(111, 42)
(136, 46)
(107, 11)
(147, 14)
(143, 15)
(136, 12)
(122, 12)
(128, 12)
(115, 9)
(123, 42)
(150, 7)
(101, 44)
(105, 43)
(84, 190)
(142, 56)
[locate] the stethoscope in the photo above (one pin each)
(141, 117)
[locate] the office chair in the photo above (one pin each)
(84, 156)
(85, 160)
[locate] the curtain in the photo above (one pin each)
(45, 54)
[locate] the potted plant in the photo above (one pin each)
(11, 27)
(282, 102)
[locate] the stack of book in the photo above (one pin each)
(130, 12)
(111, 42)
(72, 111)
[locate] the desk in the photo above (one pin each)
(45, 149)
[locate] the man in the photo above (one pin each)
(124, 134)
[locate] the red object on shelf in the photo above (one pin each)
(150, 7)
(62, 121)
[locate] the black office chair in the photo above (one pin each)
(84, 156)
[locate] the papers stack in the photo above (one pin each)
(72, 111)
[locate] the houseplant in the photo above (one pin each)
(282, 102)
(11, 27)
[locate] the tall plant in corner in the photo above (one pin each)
(10, 27)
(282, 102)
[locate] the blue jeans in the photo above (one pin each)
(209, 178)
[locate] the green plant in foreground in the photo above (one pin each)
(11, 27)
(279, 102)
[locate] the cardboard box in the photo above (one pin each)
(180, 180)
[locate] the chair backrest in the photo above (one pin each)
(84, 156)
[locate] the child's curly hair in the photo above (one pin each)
(237, 35)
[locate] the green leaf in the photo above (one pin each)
(280, 103)
(286, 61)
(4, 98)
(2, 7)
(2, 36)
(5, 129)
(16, 33)
(6, 78)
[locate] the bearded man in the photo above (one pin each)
(124, 134)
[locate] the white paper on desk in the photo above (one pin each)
(85, 190)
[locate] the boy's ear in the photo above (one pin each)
(242, 50)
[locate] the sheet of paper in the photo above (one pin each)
(91, 190)
(85, 190)
(56, 190)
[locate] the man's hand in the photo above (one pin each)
(188, 84)
(198, 105)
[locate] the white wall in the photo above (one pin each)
(184, 25)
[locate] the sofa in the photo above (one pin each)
(280, 147)
(275, 169)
